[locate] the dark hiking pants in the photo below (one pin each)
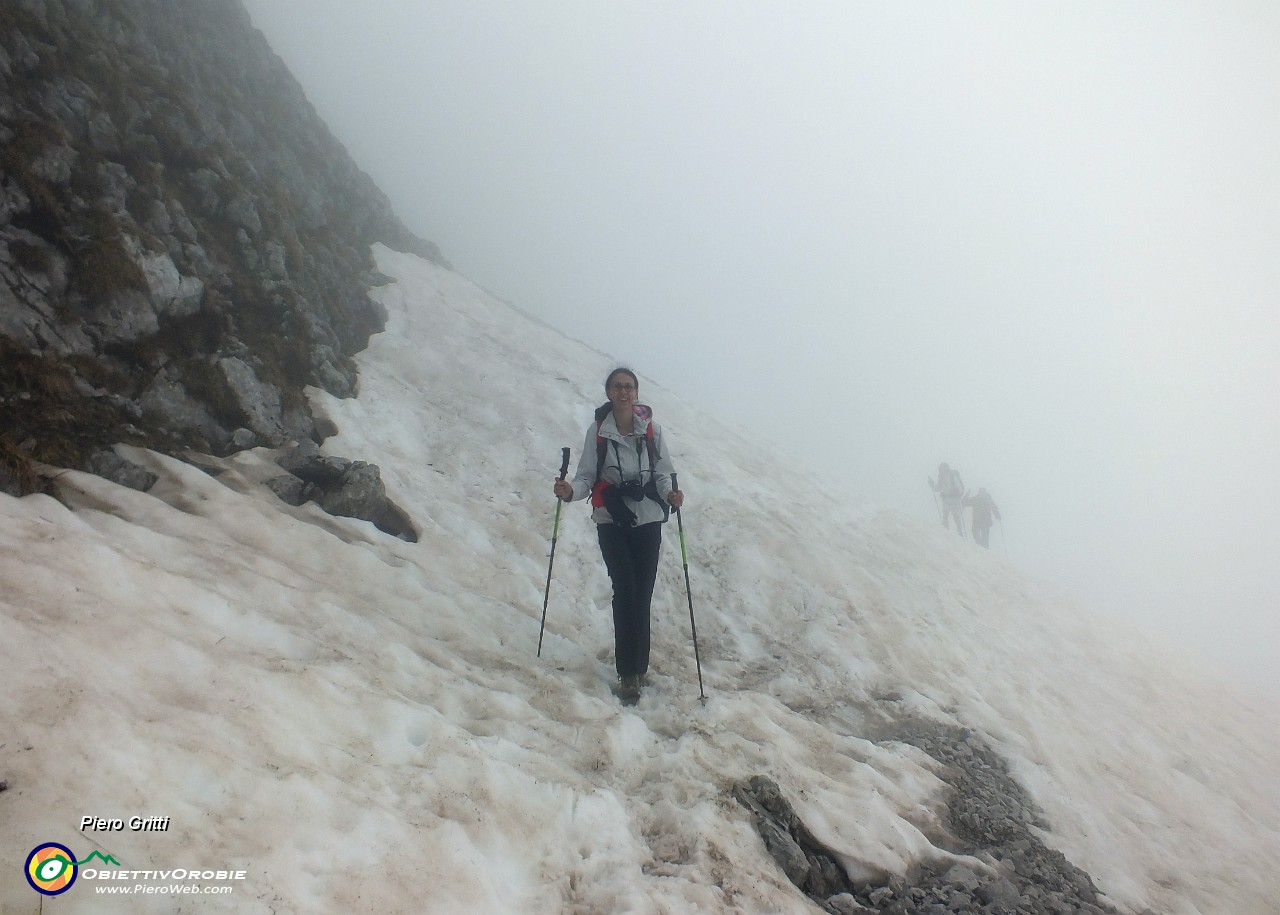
(631, 556)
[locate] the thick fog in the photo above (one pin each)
(1041, 243)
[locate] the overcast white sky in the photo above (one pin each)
(1038, 241)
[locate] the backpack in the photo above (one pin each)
(606, 494)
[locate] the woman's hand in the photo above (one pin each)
(675, 498)
(564, 490)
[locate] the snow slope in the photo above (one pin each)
(360, 724)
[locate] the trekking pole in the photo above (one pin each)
(693, 626)
(555, 532)
(942, 515)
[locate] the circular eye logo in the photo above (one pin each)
(51, 869)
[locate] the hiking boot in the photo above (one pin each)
(629, 689)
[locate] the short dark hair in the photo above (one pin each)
(620, 370)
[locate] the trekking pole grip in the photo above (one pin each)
(684, 556)
(564, 462)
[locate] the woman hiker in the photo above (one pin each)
(626, 470)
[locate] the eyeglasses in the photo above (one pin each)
(622, 387)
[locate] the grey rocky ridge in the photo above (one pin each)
(184, 246)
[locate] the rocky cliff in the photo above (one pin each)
(184, 246)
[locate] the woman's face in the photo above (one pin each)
(623, 391)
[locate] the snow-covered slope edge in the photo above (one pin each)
(361, 722)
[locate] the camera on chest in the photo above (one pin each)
(632, 489)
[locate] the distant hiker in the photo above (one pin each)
(983, 508)
(625, 469)
(951, 490)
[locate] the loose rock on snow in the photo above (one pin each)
(350, 489)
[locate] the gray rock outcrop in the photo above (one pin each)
(988, 816)
(184, 246)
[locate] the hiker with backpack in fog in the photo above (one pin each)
(625, 469)
(950, 488)
(983, 508)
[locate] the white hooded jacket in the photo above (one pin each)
(623, 460)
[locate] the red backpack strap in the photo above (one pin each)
(645, 412)
(597, 490)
